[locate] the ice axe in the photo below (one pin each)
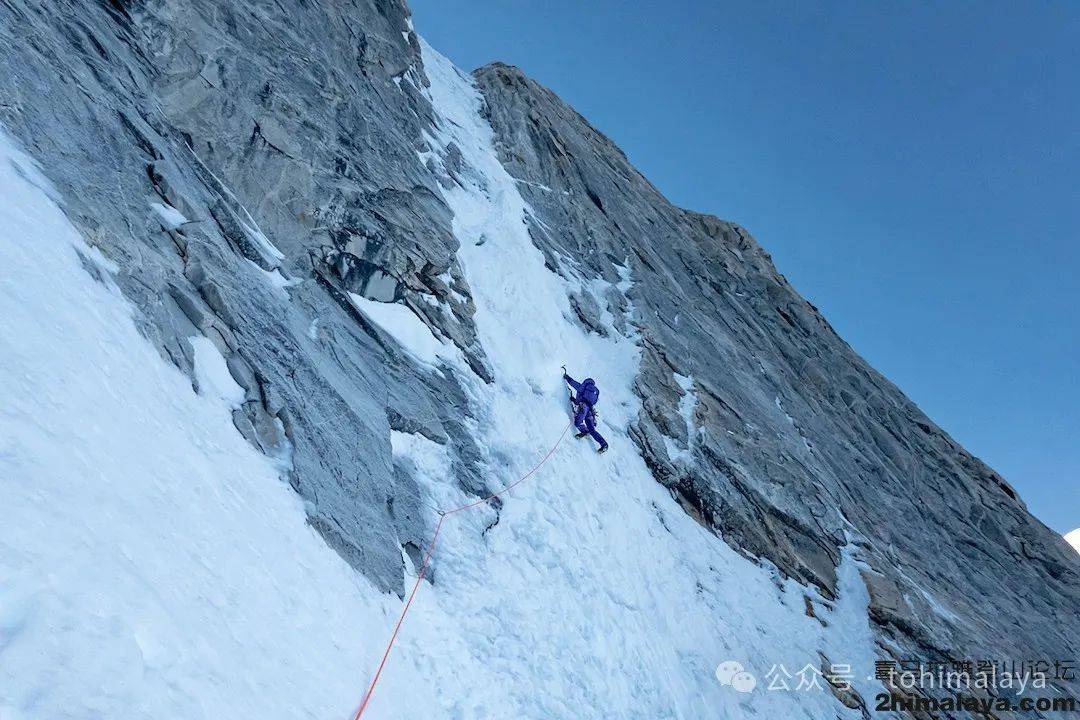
(569, 392)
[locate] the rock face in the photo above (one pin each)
(248, 166)
(183, 135)
(800, 443)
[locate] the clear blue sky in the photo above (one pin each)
(913, 168)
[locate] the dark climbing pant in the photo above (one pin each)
(586, 423)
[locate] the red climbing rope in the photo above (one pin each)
(427, 559)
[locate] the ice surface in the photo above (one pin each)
(687, 403)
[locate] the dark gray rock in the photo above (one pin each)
(799, 444)
(287, 136)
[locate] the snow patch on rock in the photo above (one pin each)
(212, 373)
(170, 217)
(402, 324)
(1073, 538)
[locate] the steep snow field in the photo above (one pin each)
(595, 595)
(152, 564)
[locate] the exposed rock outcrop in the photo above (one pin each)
(250, 166)
(797, 444)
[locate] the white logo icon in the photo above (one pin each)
(731, 672)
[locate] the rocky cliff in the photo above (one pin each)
(801, 443)
(259, 171)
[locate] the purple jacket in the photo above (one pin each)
(585, 391)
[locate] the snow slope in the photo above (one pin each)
(153, 565)
(594, 595)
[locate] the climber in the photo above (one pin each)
(584, 399)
